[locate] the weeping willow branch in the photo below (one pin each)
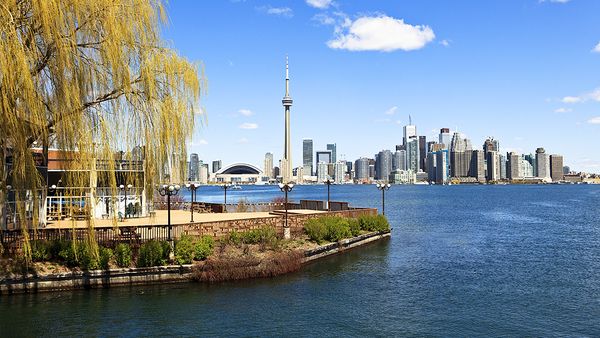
(91, 78)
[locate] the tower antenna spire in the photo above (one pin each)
(409, 120)
(287, 77)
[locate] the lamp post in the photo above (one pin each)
(125, 188)
(169, 190)
(329, 182)
(383, 187)
(192, 187)
(225, 187)
(286, 188)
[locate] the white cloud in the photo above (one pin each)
(323, 19)
(279, 11)
(321, 4)
(593, 95)
(445, 43)
(594, 120)
(380, 33)
(248, 126)
(391, 111)
(597, 48)
(563, 110)
(245, 112)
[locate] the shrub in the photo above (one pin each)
(265, 235)
(166, 248)
(184, 250)
(105, 257)
(123, 255)
(374, 223)
(87, 258)
(354, 226)
(40, 250)
(316, 230)
(67, 253)
(337, 228)
(204, 247)
(234, 238)
(151, 254)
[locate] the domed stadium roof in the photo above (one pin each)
(240, 169)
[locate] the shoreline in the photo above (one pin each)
(94, 279)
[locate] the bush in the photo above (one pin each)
(105, 257)
(337, 228)
(316, 230)
(354, 226)
(40, 250)
(265, 235)
(151, 254)
(184, 250)
(67, 253)
(123, 255)
(204, 247)
(87, 257)
(234, 238)
(166, 248)
(374, 223)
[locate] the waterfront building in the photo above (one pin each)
(339, 171)
(286, 163)
(202, 174)
(194, 167)
(371, 171)
(566, 170)
(218, 164)
(322, 172)
(268, 165)
(442, 170)
(410, 131)
(491, 144)
(542, 161)
(383, 165)
(323, 156)
(503, 163)
(361, 169)
(333, 148)
(556, 167)
(478, 165)
(239, 173)
(445, 138)
(412, 154)
(402, 177)
(531, 158)
(431, 166)
(526, 169)
(461, 152)
(513, 166)
(493, 166)
(348, 167)
(399, 160)
(307, 156)
(299, 173)
(422, 152)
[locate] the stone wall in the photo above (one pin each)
(295, 222)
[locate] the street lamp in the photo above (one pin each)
(192, 187)
(383, 187)
(169, 190)
(225, 187)
(329, 182)
(286, 188)
(125, 188)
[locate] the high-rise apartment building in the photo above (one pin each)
(461, 153)
(478, 165)
(307, 156)
(513, 166)
(503, 162)
(339, 171)
(399, 160)
(493, 166)
(323, 156)
(445, 138)
(542, 161)
(194, 170)
(216, 165)
(333, 148)
(268, 165)
(383, 165)
(422, 152)
(556, 167)
(361, 169)
(410, 132)
(412, 155)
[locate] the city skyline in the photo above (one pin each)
(488, 81)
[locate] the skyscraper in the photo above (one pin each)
(194, 170)
(410, 131)
(268, 165)
(399, 160)
(412, 155)
(323, 156)
(422, 152)
(216, 165)
(339, 171)
(445, 138)
(333, 148)
(556, 167)
(478, 165)
(361, 169)
(461, 153)
(542, 161)
(493, 166)
(307, 156)
(383, 165)
(513, 166)
(286, 163)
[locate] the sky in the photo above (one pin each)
(526, 72)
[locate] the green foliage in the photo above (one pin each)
(316, 230)
(234, 238)
(337, 229)
(123, 255)
(86, 257)
(166, 248)
(354, 226)
(67, 253)
(265, 236)
(184, 250)
(204, 247)
(40, 250)
(151, 254)
(374, 223)
(105, 256)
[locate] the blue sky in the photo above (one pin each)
(524, 71)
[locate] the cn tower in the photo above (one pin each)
(287, 151)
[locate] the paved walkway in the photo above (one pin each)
(177, 217)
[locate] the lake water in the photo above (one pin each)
(462, 261)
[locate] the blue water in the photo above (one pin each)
(462, 261)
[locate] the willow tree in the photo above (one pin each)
(89, 78)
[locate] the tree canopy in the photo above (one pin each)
(91, 78)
